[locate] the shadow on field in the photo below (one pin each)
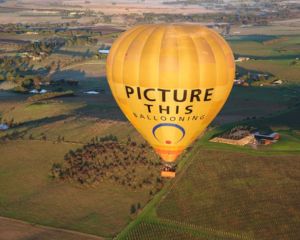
(74, 53)
(243, 70)
(259, 104)
(42, 121)
(105, 111)
(85, 82)
(68, 74)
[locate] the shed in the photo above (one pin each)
(267, 136)
(103, 51)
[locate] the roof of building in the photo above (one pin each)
(3, 126)
(104, 51)
(269, 135)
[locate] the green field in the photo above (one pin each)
(269, 57)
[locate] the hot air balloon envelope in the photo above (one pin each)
(170, 81)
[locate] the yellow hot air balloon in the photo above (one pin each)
(170, 80)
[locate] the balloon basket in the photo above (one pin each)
(168, 171)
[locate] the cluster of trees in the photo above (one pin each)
(240, 18)
(238, 132)
(81, 40)
(42, 27)
(44, 47)
(19, 70)
(14, 135)
(134, 208)
(106, 159)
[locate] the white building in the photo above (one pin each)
(3, 127)
(103, 51)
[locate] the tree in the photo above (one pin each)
(132, 209)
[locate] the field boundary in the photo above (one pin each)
(201, 229)
(83, 63)
(149, 211)
(12, 220)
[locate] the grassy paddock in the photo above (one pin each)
(27, 192)
(238, 193)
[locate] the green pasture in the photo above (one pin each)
(260, 46)
(282, 69)
(274, 55)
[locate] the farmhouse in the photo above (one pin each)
(243, 135)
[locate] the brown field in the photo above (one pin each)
(251, 195)
(291, 27)
(27, 192)
(126, 7)
(15, 230)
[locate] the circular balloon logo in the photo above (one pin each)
(162, 133)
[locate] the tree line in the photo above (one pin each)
(107, 159)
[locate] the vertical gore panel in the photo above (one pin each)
(206, 61)
(188, 71)
(119, 55)
(221, 61)
(113, 50)
(226, 48)
(149, 67)
(133, 56)
(168, 61)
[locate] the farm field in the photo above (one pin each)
(28, 193)
(240, 193)
(280, 68)
(82, 117)
(229, 192)
(269, 54)
(14, 229)
(220, 192)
